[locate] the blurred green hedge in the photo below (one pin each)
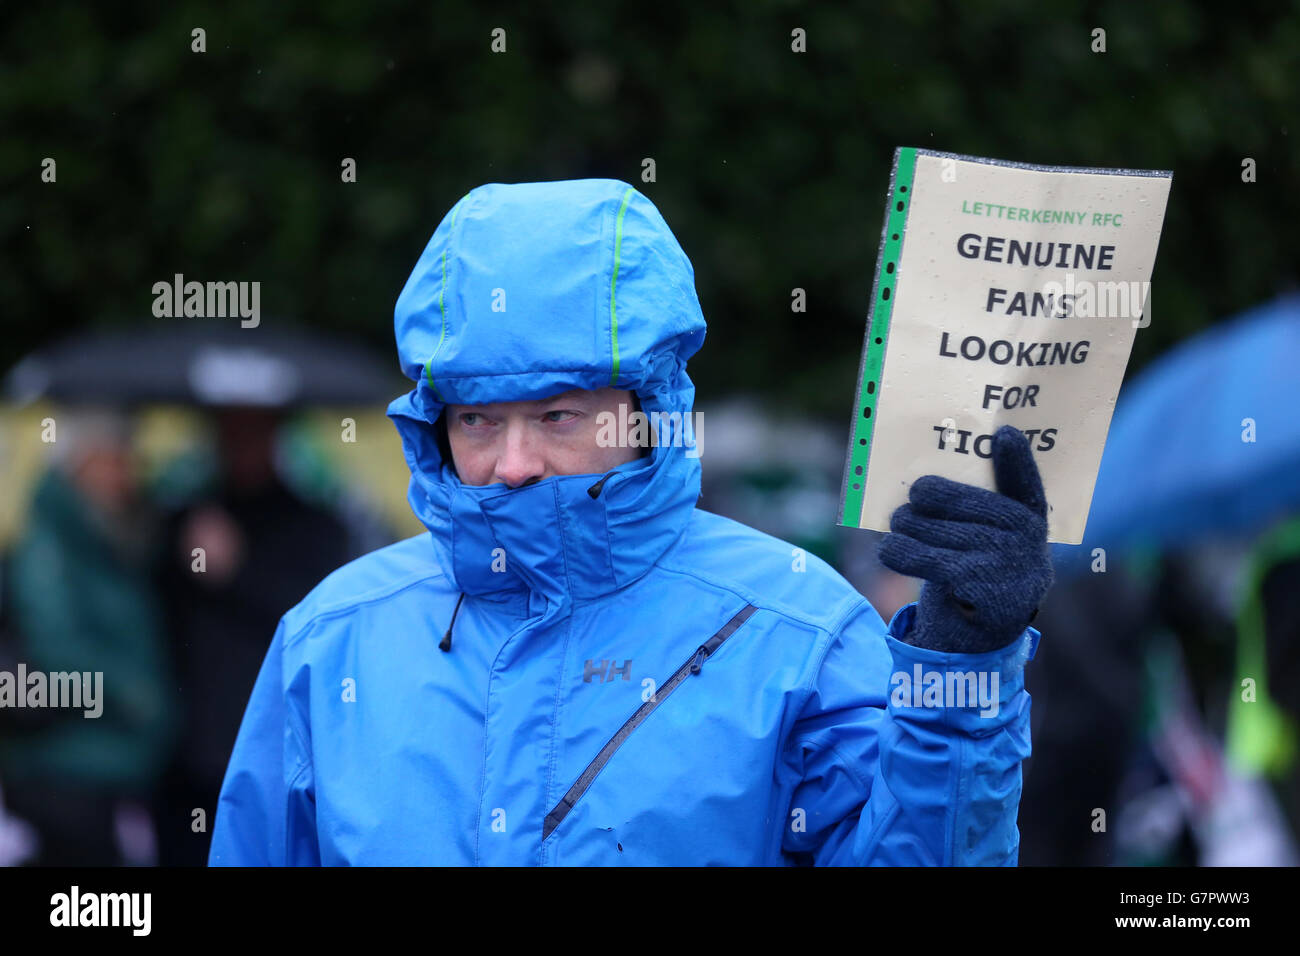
(771, 165)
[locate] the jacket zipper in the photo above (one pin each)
(692, 666)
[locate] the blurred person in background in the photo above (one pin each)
(1087, 693)
(1130, 716)
(263, 547)
(80, 599)
(1263, 732)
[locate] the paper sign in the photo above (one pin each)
(1004, 294)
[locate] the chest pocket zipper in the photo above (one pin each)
(692, 666)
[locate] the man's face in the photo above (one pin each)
(518, 443)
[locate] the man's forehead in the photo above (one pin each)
(574, 396)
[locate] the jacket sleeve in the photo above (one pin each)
(266, 814)
(909, 756)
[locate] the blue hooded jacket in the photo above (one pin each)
(628, 679)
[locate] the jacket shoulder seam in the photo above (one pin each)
(851, 601)
(836, 633)
(352, 605)
(828, 633)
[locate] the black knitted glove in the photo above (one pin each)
(983, 554)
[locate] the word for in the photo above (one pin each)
(211, 300)
(1013, 397)
(72, 689)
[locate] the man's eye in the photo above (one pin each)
(470, 418)
(560, 416)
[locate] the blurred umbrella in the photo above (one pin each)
(204, 365)
(1205, 442)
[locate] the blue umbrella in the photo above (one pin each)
(1205, 442)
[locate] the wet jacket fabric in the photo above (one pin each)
(629, 679)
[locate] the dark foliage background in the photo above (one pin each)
(771, 165)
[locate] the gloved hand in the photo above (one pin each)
(983, 554)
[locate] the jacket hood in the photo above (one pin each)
(525, 291)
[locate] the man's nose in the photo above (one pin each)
(520, 462)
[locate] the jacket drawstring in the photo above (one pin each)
(445, 643)
(599, 486)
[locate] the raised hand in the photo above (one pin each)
(983, 554)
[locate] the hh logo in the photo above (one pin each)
(598, 669)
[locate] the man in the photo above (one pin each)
(577, 666)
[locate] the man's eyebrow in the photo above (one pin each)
(574, 395)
